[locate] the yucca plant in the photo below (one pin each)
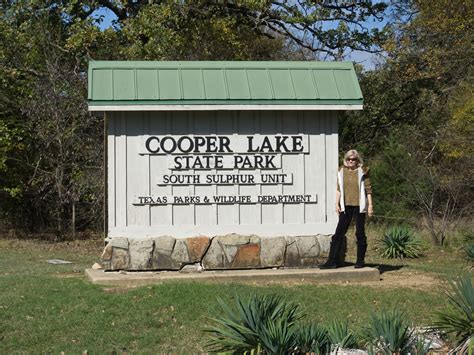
(340, 336)
(399, 242)
(389, 333)
(420, 346)
(469, 249)
(458, 319)
(259, 324)
(313, 339)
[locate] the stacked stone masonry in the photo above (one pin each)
(218, 253)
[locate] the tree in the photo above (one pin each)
(421, 96)
(328, 28)
(51, 162)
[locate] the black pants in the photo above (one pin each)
(337, 240)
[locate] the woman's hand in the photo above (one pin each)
(338, 208)
(370, 211)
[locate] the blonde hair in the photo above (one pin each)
(353, 153)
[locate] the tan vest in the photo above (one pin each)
(362, 195)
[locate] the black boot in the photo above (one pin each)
(331, 263)
(361, 249)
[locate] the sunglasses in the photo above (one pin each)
(352, 159)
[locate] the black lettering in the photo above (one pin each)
(211, 145)
(297, 144)
(246, 163)
(224, 143)
(238, 159)
(148, 145)
(177, 163)
(280, 143)
(190, 144)
(197, 163)
(173, 145)
(269, 161)
(250, 148)
(218, 163)
(198, 142)
(266, 145)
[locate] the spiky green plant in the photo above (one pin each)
(259, 323)
(340, 335)
(312, 338)
(399, 242)
(389, 333)
(420, 346)
(458, 319)
(469, 249)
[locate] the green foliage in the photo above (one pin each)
(421, 98)
(389, 333)
(395, 196)
(269, 324)
(399, 242)
(259, 322)
(469, 249)
(312, 338)
(458, 318)
(340, 335)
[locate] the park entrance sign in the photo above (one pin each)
(220, 165)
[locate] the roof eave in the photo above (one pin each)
(107, 107)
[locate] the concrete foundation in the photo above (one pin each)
(130, 279)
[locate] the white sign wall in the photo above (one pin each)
(212, 173)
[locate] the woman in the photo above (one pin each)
(353, 199)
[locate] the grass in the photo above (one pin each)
(52, 308)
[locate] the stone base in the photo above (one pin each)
(131, 279)
(218, 253)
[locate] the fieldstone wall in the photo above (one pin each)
(218, 253)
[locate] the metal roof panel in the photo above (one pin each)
(169, 84)
(147, 84)
(160, 83)
(326, 84)
(259, 84)
(282, 84)
(214, 84)
(193, 86)
(237, 83)
(124, 84)
(303, 84)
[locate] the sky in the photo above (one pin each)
(367, 60)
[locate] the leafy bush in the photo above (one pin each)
(260, 323)
(389, 333)
(458, 319)
(399, 242)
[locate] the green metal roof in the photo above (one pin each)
(222, 83)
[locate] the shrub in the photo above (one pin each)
(390, 333)
(399, 242)
(260, 323)
(458, 319)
